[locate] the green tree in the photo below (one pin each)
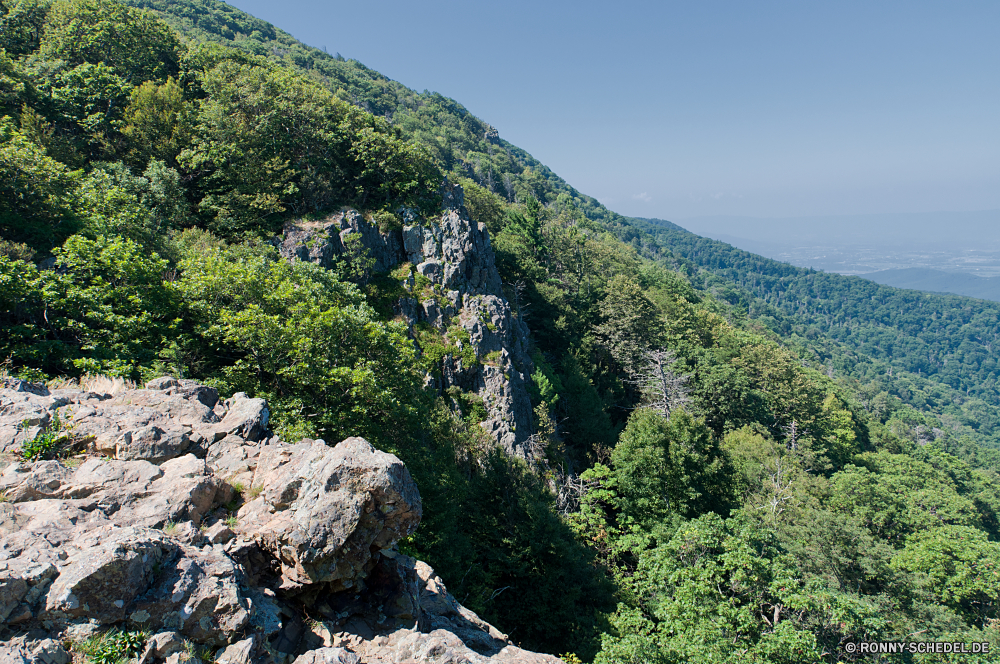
(12, 86)
(959, 566)
(529, 226)
(268, 141)
(21, 25)
(157, 123)
(667, 466)
(896, 495)
(717, 591)
(840, 441)
(88, 100)
(38, 196)
(295, 334)
(630, 324)
(106, 310)
(132, 42)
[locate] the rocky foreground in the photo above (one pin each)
(181, 516)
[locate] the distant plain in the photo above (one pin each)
(945, 252)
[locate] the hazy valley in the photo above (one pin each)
(944, 252)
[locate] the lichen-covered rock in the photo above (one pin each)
(442, 647)
(152, 444)
(25, 410)
(101, 581)
(128, 492)
(322, 511)
(197, 594)
(233, 459)
(455, 253)
(324, 240)
(153, 423)
(44, 651)
(22, 583)
(163, 644)
(327, 656)
(241, 652)
(246, 417)
(50, 651)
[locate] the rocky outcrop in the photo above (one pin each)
(452, 283)
(226, 541)
(324, 241)
(322, 512)
(168, 419)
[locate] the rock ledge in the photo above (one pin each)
(183, 516)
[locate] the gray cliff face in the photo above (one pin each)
(324, 240)
(453, 254)
(214, 536)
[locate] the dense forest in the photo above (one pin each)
(934, 352)
(736, 461)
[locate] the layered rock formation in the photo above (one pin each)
(452, 281)
(181, 516)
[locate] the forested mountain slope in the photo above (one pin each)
(937, 353)
(460, 142)
(715, 470)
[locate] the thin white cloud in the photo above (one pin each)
(644, 197)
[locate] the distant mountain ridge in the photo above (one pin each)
(938, 281)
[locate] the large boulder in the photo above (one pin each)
(197, 594)
(151, 443)
(151, 580)
(246, 417)
(321, 511)
(101, 581)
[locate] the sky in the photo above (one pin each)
(680, 110)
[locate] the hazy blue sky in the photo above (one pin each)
(683, 109)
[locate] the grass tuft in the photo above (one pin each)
(112, 647)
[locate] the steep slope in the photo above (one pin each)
(938, 352)
(462, 143)
(941, 350)
(696, 488)
(163, 213)
(452, 303)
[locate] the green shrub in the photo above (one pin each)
(113, 647)
(47, 444)
(403, 271)
(386, 221)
